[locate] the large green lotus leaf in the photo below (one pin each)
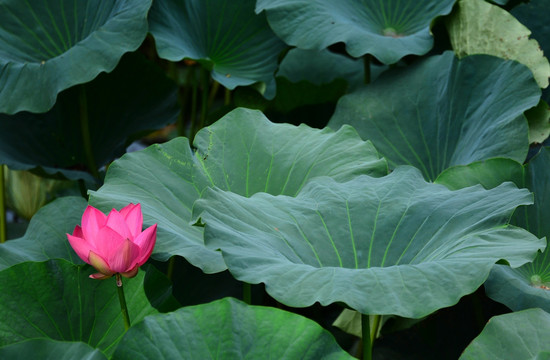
(392, 245)
(529, 285)
(224, 35)
(244, 153)
(48, 46)
(442, 112)
(478, 27)
(57, 300)
(50, 349)
(521, 335)
(387, 29)
(120, 106)
(228, 329)
(46, 237)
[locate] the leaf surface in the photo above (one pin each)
(392, 245)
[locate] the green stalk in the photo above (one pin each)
(194, 91)
(375, 326)
(85, 130)
(213, 93)
(3, 227)
(366, 64)
(205, 84)
(122, 299)
(247, 293)
(365, 332)
(368, 334)
(170, 269)
(83, 189)
(227, 97)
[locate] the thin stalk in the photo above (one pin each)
(172, 72)
(205, 85)
(213, 93)
(3, 227)
(123, 307)
(85, 131)
(83, 189)
(180, 126)
(365, 332)
(366, 64)
(227, 97)
(478, 311)
(247, 293)
(183, 95)
(368, 334)
(375, 325)
(194, 92)
(170, 269)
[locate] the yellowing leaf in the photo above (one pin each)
(477, 27)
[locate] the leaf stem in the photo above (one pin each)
(170, 269)
(3, 227)
(194, 91)
(368, 334)
(366, 64)
(227, 97)
(375, 326)
(205, 85)
(247, 293)
(83, 189)
(213, 92)
(85, 131)
(122, 300)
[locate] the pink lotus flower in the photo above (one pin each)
(113, 243)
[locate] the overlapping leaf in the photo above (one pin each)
(520, 335)
(529, 285)
(442, 112)
(488, 173)
(228, 329)
(533, 16)
(46, 237)
(48, 46)
(119, 106)
(478, 27)
(309, 77)
(244, 153)
(50, 349)
(224, 35)
(387, 29)
(391, 245)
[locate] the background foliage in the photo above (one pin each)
(386, 158)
